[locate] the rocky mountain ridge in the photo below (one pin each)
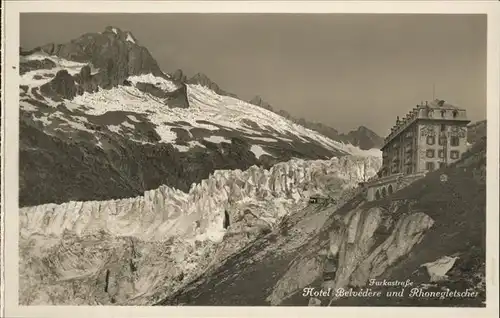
(114, 54)
(362, 137)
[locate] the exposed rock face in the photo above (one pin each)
(257, 100)
(365, 260)
(62, 85)
(86, 81)
(113, 50)
(115, 54)
(179, 76)
(204, 80)
(178, 98)
(353, 247)
(35, 65)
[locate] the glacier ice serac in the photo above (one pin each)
(165, 212)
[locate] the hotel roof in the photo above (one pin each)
(416, 114)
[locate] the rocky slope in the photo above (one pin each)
(476, 131)
(140, 250)
(100, 120)
(430, 234)
(361, 137)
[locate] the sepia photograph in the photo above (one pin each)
(251, 159)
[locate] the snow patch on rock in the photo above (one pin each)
(265, 139)
(217, 139)
(258, 151)
(114, 128)
(133, 118)
(437, 270)
(128, 125)
(130, 38)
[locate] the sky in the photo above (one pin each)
(343, 70)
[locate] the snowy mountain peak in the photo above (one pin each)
(113, 29)
(113, 50)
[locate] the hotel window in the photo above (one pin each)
(441, 154)
(442, 141)
(430, 153)
(455, 141)
(429, 166)
(443, 127)
(454, 154)
(455, 114)
(431, 140)
(442, 165)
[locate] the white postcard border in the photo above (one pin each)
(11, 156)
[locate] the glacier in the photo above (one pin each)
(137, 250)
